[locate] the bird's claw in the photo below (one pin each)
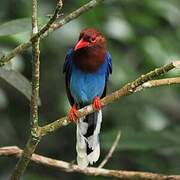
(97, 103)
(72, 115)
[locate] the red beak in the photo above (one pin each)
(81, 44)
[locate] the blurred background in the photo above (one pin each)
(142, 35)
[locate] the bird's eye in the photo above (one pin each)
(81, 35)
(93, 39)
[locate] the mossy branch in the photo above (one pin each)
(49, 27)
(127, 89)
(34, 137)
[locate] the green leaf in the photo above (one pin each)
(15, 26)
(18, 26)
(18, 81)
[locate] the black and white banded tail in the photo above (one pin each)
(87, 145)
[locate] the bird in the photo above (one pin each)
(87, 68)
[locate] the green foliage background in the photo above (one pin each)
(142, 35)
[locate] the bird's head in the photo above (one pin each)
(90, 37)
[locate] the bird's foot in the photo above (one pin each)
(97, 103)
(72, 115)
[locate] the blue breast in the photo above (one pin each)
(85, 86)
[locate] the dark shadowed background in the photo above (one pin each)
(142, 35)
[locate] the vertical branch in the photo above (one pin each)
(35, 69)
(35, 130)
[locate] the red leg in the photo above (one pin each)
(97, 103)
(72, 115)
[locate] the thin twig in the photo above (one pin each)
(161, 82)
(111, 151)
(44, 32)
(71, 168)
(53, 18)
(34, 137)
(124, 91)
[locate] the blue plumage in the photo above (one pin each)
(85, 86)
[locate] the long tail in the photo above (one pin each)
(87, 145)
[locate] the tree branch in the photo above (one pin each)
(34, 138)
(67, 167)
(161, 82)
(48, 28)
(124, 91)
(24, 158)
(35, 69)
